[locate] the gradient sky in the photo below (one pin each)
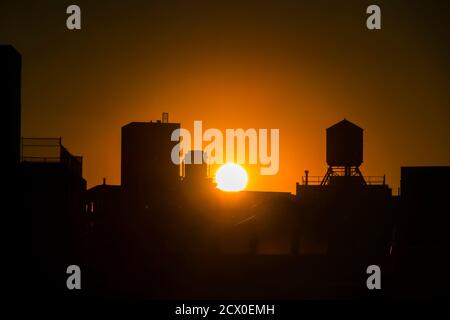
(298, 66)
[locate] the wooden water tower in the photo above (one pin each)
(344, 151)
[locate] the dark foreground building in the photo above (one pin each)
(12, 222)
(421, 234)
(51, 192)
(344, 213)
(10, 101)
(148, 173)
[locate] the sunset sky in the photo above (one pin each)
(294, 65)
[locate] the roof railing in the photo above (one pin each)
(49, 150)
(317, 180)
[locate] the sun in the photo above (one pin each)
(231, 177)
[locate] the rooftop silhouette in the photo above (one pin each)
(167, 232)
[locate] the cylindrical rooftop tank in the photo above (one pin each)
(344, 144)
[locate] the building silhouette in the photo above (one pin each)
(344, 213)
(421, 242)
(148, 173)
(423, 205)
(10, 99)
(52, 192)
(167, 232)
(10, 102)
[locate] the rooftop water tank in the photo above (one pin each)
(344, 145)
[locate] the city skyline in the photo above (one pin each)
(225, 157)
(292, 66)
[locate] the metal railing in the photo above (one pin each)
(370, 180)
(375, 180)
(49, 150)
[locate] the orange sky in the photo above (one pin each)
(290, 65)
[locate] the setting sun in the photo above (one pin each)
(231, 177)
